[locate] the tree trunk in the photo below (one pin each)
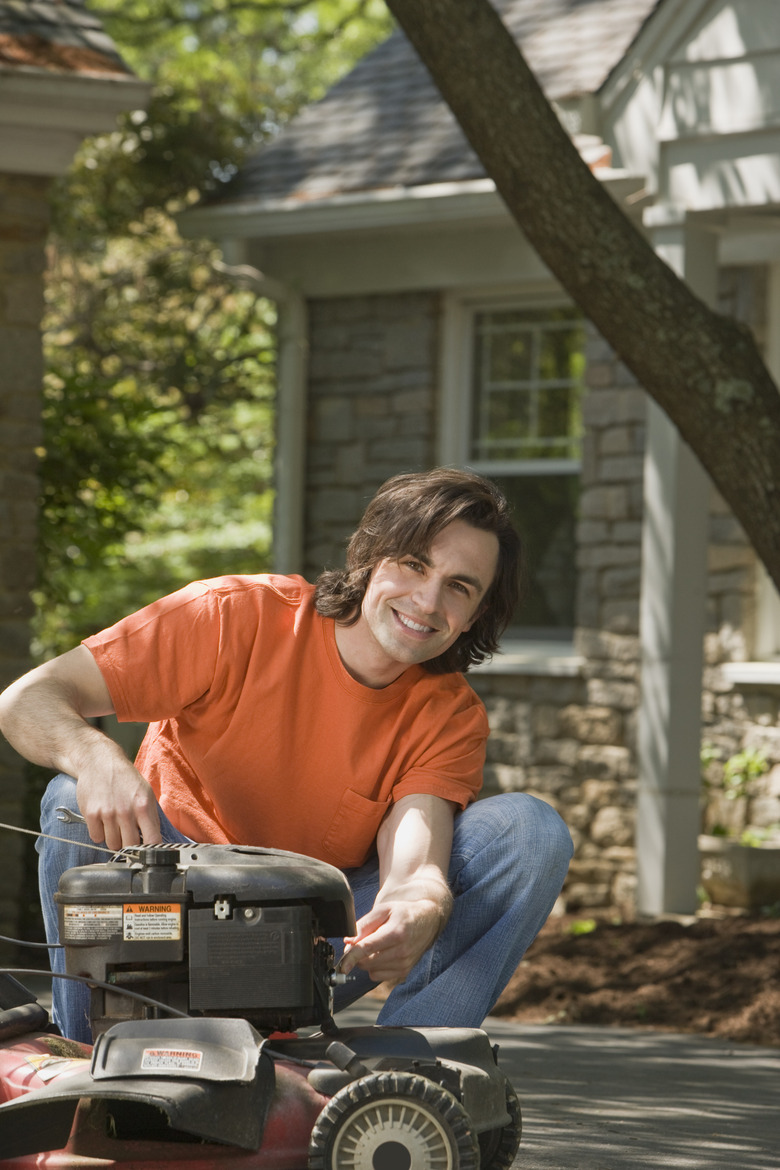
(702, 368)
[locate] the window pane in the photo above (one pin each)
(508, 354)
(527, 387)
(545, 509)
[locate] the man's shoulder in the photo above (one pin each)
(255, 589)
(450, 689)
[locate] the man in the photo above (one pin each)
(332, 721)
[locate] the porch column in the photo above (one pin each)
(672, 621)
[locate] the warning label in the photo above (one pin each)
(173, 1059)
(151, 921)
(91, 922)
(49, 1067)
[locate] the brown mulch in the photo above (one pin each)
(714, 976)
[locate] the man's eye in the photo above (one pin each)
(414, 565)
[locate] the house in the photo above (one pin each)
(417, 326)
(61, 79)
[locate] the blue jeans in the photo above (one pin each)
(510, 855)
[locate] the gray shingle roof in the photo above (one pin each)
(56, 34)
(385, 124)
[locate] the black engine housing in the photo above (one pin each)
(213, 930)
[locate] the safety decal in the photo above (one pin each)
(87, 922)
(171, 1060)
(151, 921)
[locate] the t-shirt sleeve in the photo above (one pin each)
(162, 658)
(450, 762)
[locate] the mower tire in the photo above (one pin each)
(393, 1121)
(498, 1147)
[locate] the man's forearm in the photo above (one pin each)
(41, 722)
(45, 714)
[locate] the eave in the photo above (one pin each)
(392, 209)
(45, 114)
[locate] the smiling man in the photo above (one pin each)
(331, 720)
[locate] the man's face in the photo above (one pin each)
(416, 607)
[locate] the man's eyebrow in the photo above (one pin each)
(465, 578)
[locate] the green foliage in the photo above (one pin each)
(156, 462)
(741, 769)
(157, 423)
(582, 926)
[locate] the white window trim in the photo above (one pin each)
(517, 656)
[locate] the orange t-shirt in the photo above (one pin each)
(259, 735)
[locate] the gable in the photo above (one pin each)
(697, 105)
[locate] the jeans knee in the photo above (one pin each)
(549, 825)
(521, 825)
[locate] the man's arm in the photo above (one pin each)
(44, 716)
(414, 900)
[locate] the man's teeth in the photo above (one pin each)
(406, 621)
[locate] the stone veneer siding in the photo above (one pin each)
(372, 394)
(24, 217)
(569, 739)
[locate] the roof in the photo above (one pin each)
(385, 124)
(56, 35)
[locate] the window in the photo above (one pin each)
(520, 423)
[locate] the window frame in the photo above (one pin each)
(519, 653)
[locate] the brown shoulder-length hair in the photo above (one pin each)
(403, 519)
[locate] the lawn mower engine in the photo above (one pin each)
(208, 930)
(215, 1045)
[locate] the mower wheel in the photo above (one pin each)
(393, 1121)
(497, 1147)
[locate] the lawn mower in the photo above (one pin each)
(211, 1009)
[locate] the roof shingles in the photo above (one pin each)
(385, 124)
(56, 35)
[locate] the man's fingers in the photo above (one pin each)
(124, 832)
(149, 826)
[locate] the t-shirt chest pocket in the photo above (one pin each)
(353, 829)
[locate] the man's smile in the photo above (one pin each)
(410, 624)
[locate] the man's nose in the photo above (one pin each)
(427, 595)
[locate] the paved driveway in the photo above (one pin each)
(624, 1099)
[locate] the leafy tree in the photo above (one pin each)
(158, 414)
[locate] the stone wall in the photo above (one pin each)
(24, 217)
(372, 396)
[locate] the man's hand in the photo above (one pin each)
(45, 714)
(414, 900)
(393, 936)
(118, 804)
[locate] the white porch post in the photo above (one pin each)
(291, 404)
(673, 600)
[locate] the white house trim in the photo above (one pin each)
(44, 116)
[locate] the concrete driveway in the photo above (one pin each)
(625, 1099)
